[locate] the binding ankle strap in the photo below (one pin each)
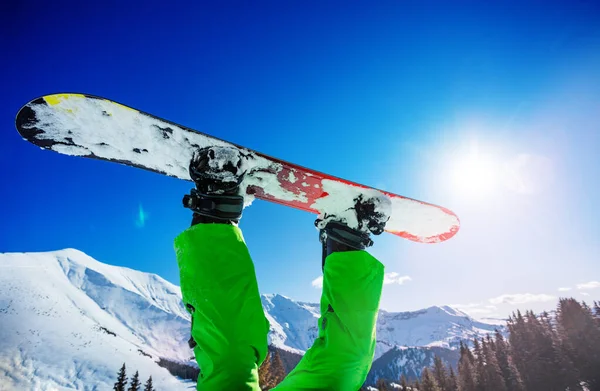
(218, 206)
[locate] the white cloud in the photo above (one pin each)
(588, 285)
(521, 298)
(480, 311)
(585, 293)
(395, 278)
(564, 289)
(318, 282)
(463, 306)
(476, 309)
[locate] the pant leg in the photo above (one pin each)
(228, 323)
(341, 356)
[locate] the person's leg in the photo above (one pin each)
(219, 288)
(218, 281)
(341, 356)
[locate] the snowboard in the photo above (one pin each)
(95, 127)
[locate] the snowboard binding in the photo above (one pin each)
(218, 173)
(337, 234)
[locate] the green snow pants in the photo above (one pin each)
(219, 287)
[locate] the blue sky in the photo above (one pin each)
(490, 109)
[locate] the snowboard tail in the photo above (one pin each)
(94, 127)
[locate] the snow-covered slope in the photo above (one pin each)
(294, 326)
(58, 314)
(434, 326)
(69, 321)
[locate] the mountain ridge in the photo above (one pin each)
(68, 317)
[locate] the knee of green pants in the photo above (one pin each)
(210, 256)
(229, 370)
(341, 356)
(218, 280)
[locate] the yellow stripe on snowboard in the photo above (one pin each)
(56, 99)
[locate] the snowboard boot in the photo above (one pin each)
(217, 173)
(368, 216)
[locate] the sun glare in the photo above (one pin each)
(480, 173)
(475, 174)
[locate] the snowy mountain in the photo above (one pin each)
(294, 326)
(69, 321)
(434, 326)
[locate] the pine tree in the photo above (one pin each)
(492, 373)
(556, 364)
(467, 380)
(121, 380)
(491, 343)
(510, 373)
(381, 385)
(149, 386)
(543, 355)
(580, 334)
(271, 372)
(547, 322)
(440, 374)
(264, 374)
(520, 347)
(597, 312)
(403, 382)
(278, 369)
(428, 382)
(538, 354)
(135, 382)
(479, 366)
(452, 381)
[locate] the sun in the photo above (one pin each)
(475, 174)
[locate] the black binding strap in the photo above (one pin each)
(338, 237)
(219, 206)
(343, 234)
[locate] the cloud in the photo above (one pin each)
(464, 306)
(521, 298)
(588, 285)
(318, 282)
(585, 293)
(480, 311)
(395, 278)
(475, 309)
(564, 289)
(142, 216)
